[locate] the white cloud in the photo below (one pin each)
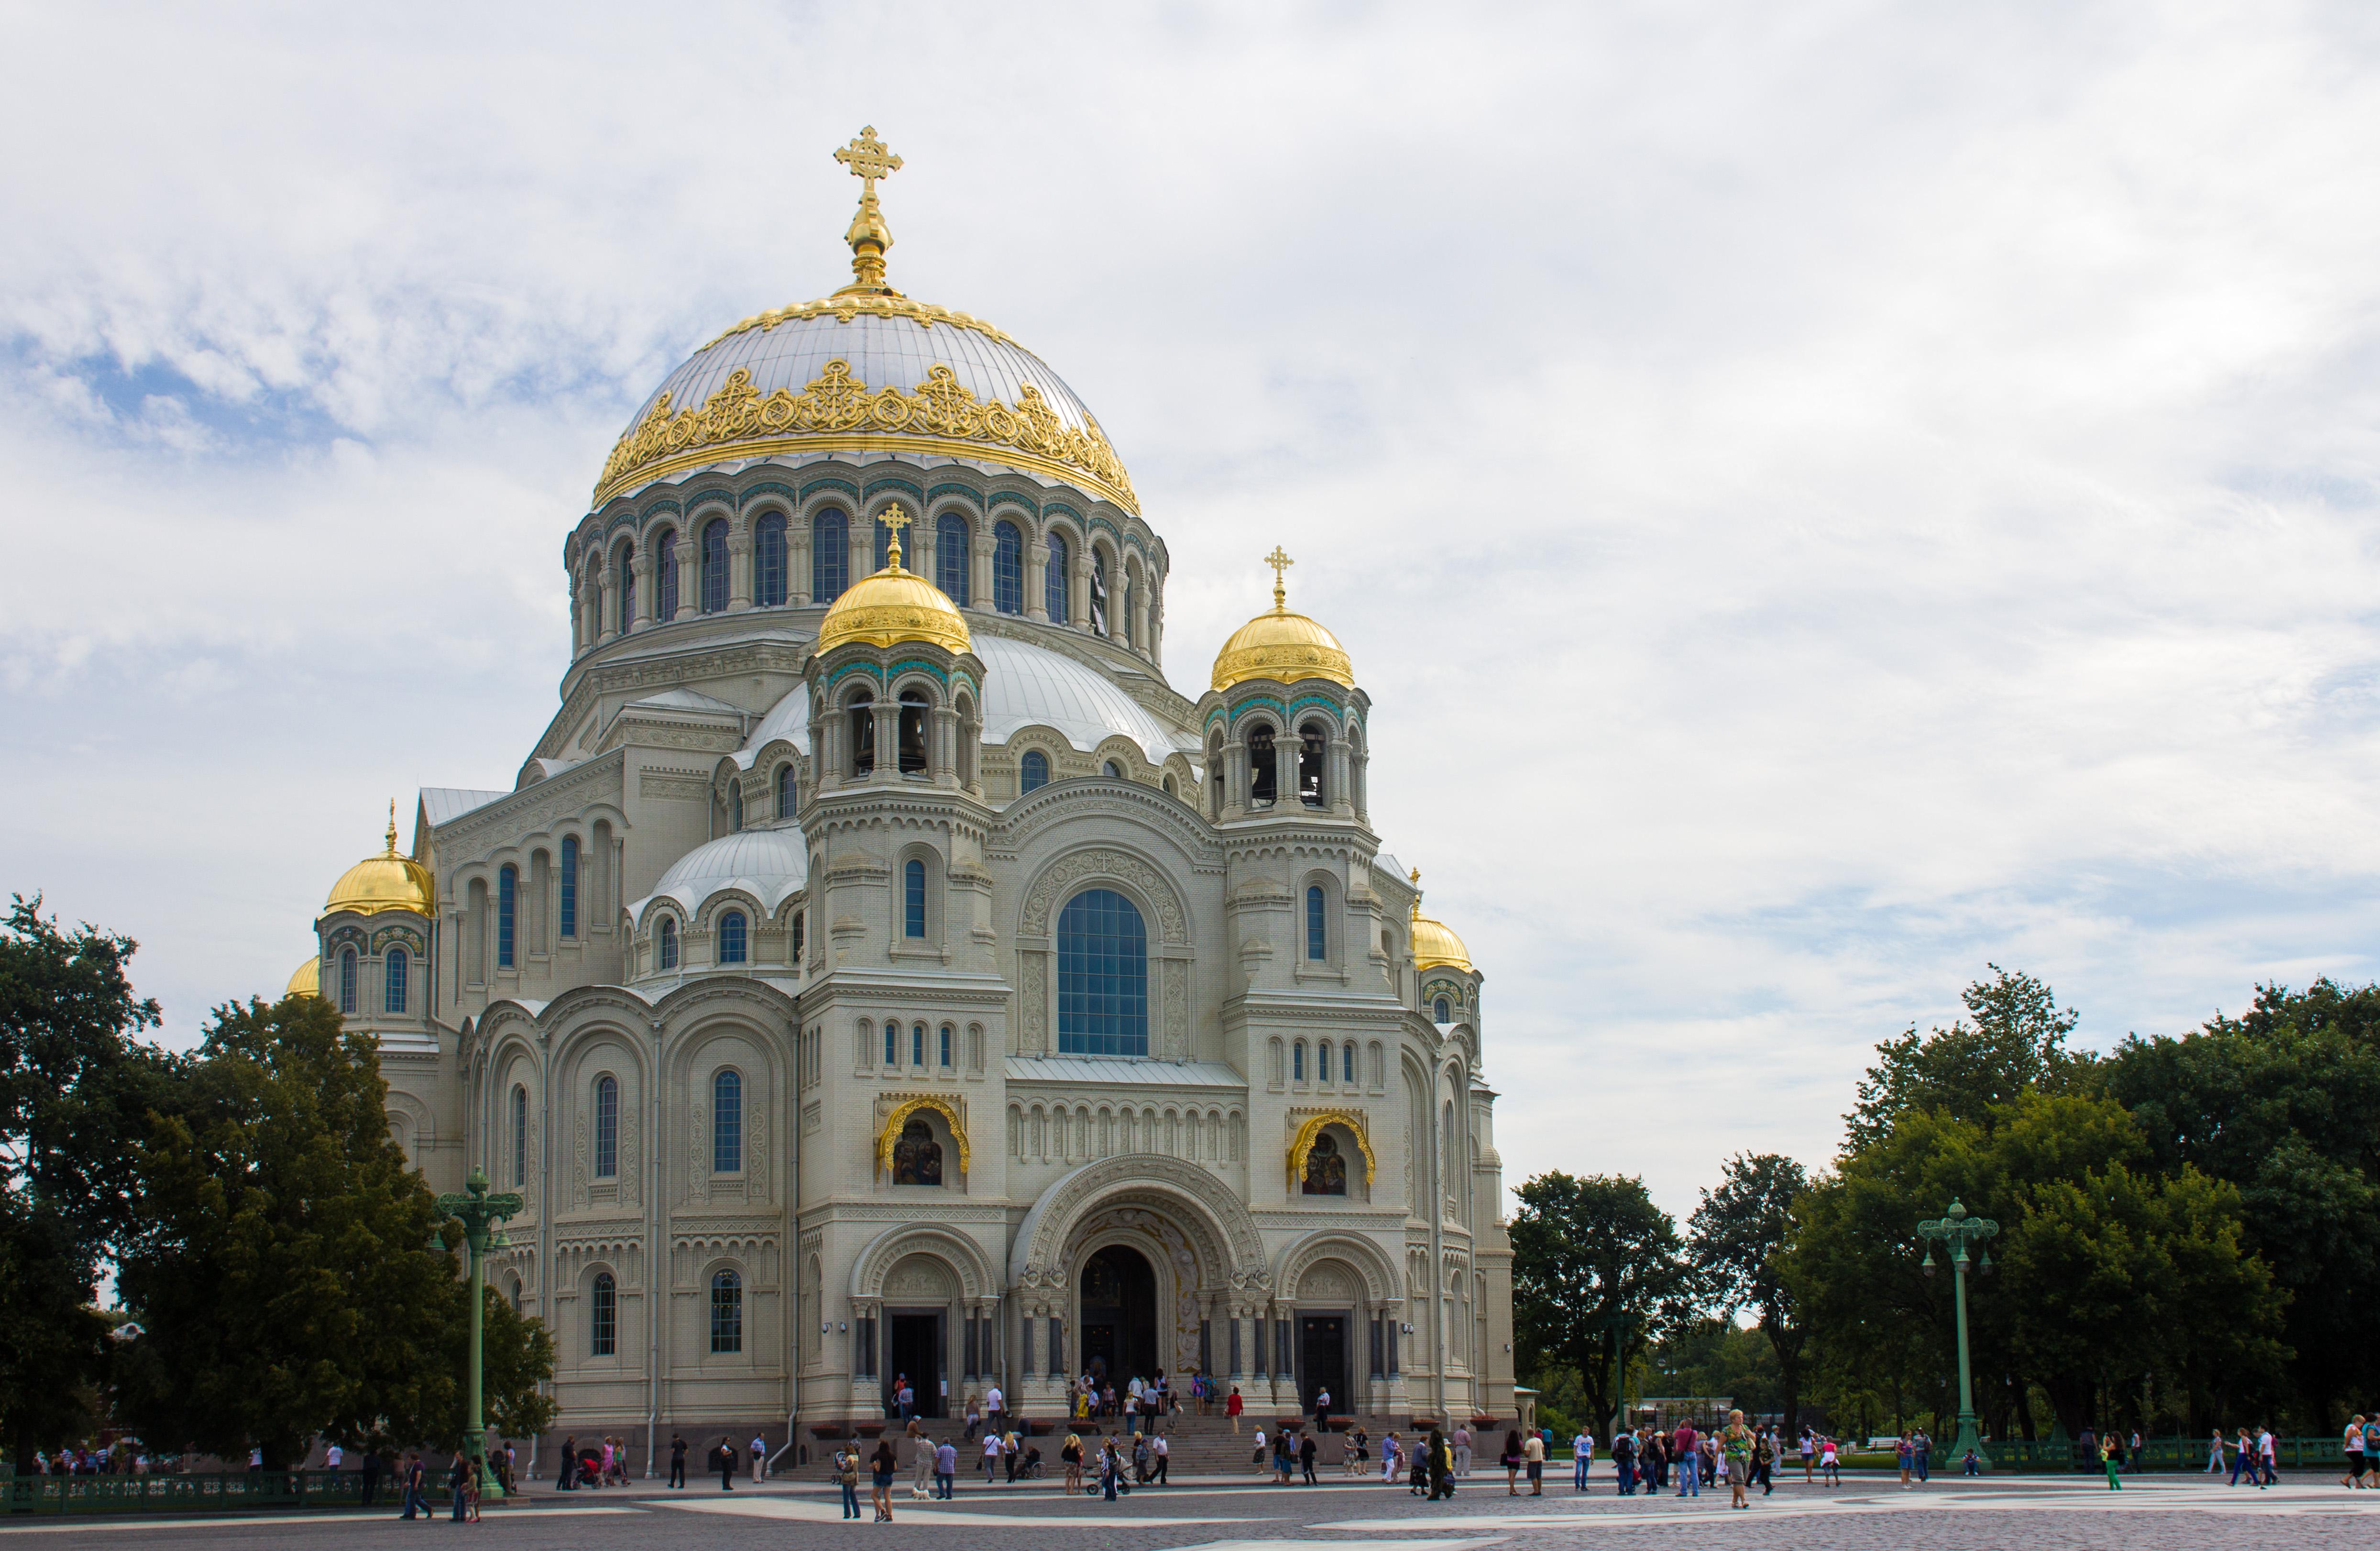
(1822, 496)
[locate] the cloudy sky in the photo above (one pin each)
(1823, 497)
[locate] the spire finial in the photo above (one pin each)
(1415, 877)
(1280, 561)
(896, 519)
(392, 826)
(868, 159)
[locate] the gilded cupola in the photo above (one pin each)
(1435, 946)
(893, 606)
(307, 981)
(387, 882)
(1282, 645)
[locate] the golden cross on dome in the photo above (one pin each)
(868, 159)
(896, 519)
(392, 826)
(1280, 561)
(1416, 876)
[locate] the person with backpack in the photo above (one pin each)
(846, 1475)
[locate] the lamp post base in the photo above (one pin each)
(1969, 1439)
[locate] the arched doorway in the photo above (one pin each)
(1119, 1293)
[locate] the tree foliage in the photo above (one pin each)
(1739, 1239)
(2017, 1041)
(1583, 1251)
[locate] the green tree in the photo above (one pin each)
(2017, 1041)
(1738, 1239)
(1583, 1251)
(283, 1280)
(77, 1087)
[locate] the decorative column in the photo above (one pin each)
(888, 739)
(1037, 577)
(1078, 602)
(739, 566)
(1335, 772)
(688, 576)
(640, 571)
(797, 563)
(979, 574)
(607, 605)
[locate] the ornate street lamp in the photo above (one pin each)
(1957, 1229)
(483, 1217)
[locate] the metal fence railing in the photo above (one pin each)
(2048, 1456)
(228, 1492)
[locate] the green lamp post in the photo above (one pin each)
(483, 1217)
(1623, 1326)
(1957, 1229)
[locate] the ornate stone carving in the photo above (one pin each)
(1101, 862)
(1033, 1002)
(1177, 1008)
(664, 787)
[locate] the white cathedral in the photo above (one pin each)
(880, 968)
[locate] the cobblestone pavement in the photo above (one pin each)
(2151, 1514)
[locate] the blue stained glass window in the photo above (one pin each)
(347, 981)
(727, 1123)
(627, 587)
(830, 556)
(393, 993)
(731, 937)
(951, 561)
(1443, 1013)
(1102, 977)
(1034, 774)
(787, 797)
(946, 1044)
(917, 1045)
(726, 1311)
(1056, 584)
(913, 898)
(1347, 1063)
(668, 943)
(607, 1127)
(507, 901)
(603, 1326)
(520, 1137)
(714, 565)
(1007, 568)
(569, 912)
(1314, 918)
(1297, 1061)
(664, 574)
(769, 561)
(892, 1043)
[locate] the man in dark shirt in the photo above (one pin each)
(723, 1460)
(678, 1459)
(1307, 1449)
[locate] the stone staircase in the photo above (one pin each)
(1199, 1446)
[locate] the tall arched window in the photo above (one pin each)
(393, 994)
(951, 561)
(714, 565)
(913, 732)
(1315, 943)
(520, 1136)
(603, 1317)
(769, 561)
(569, 912)
(1102, 977)
(788, 799)
(830, 556)
(863, 734)
(627, 586)
(664, 574)
(727, 1123)
(1033, 772)
(1297, 1061)
(1347, 1063)
(1007, 568)
(731, 937)
(1312, 743)
(916, 1045)
(892, 1042)
(726, 1311)
(507, 909)
(735, 805)
(947, 1035)
(1440, 1012)
(347, 981)
(666, 939)
(607, 1127)
(913, 899)
(1261, 788)
(1130, 599)
(1057, 586)
(1098, 592)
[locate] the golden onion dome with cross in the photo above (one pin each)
(387, 882)
(1282, 645)
(894, 605)
(1435, 946)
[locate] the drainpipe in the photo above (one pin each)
(794, 1256)
(544, 1201)
(1436, 1261)
(653, 1267)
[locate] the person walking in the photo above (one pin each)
(1826, 1463)
(974, 1415)
(1111, 1466)
(2352, 1442)
(2215, 1454)
(946, 1468)
(2111, 1455)
(995, 1414)
(846, 1475)
(1463, 1448)
(1232, 1407)
(1921, 1444)
(1306, 1451)
(1764, 1460)
(1533, 1457)
(880, 1468)
(411, 1488)
(677, 1461)
(1735, 1443)
(990, 1460)
(2265, 1454)
(1071, 1456)
(759, 1458)
(1685, 1445)
(1160, 1451)
(1261, 1455)
(2244, 1458)
(1441, 1466)
(1582, 1454)
(1511, 1460)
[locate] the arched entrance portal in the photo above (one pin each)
(1118, 1293)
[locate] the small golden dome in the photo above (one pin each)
(308, 980)
(387, 882)
(893, 606)
(1280, 645)
(1435, 946)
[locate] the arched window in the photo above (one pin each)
(1098, 592)
(1261, 789)
(347, 981)
(735, 805)
(797, 935)
(664, 574)
(916, 1045)
(393, 993)
(1130, 599)
(1057, 586)
(627, 586)
(948, 1034)
(1440, 1012)
(1347, 1063)
(668, 938)
(913, 899)
(731, 937)
(788, 797)
(830, 556)
(607, 1127)
(1007, 568)
(727, 1123)
(603, 1317)
(569, 913)
(1111, 770)
(1326, 1169)
(1102, 977)
(1033, 772)
(769, 561)
(863, 734)
(1312, 741)
(917, 1157)
(951, 558)
(726, 1311)
(520, 1136)
(1316, 945)
(507, 907)
(892, 1042)
(1297, 1061)
(913, 732)
(714, 565)
(1322, 1062)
